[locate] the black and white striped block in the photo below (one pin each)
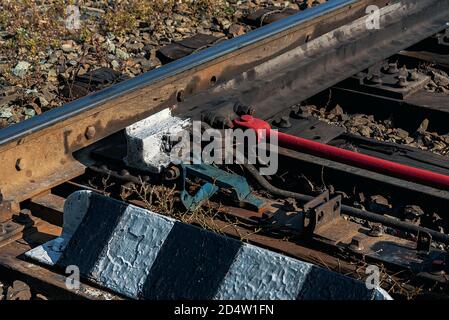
(144, 255)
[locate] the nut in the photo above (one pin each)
(356, 244)
(90, 132)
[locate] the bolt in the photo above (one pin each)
(413, 75)
(376, 230)
(403, 71)
(283, 122)
(9, 227)
(19, 164)
(438, 266)
(90, 132)
(392, 68)
(242, 110)
(375, 78)
(402, 82)
(360, 75)
(356, 244)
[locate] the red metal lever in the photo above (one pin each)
(346, 156)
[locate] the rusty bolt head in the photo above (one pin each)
(392, 68)
(438, 267)
(375, 78)
(377, 230)
(402, 82)
(241, 110)
(285, 122)
(19, 164)
(413, 75)
(90, 132)
(356, 244)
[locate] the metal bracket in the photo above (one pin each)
(9, 229)
(322, 210)
(216, 179)
(8, 209)
(315, 214)
(205, 192)
(443, 38)
(389, 80)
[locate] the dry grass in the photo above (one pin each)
(162, 200)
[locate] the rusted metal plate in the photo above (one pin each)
(92, 81)
(180, 49)
(312, 128)
(49, 207)
(269, 15)
(430, 100)
(7, 209)
(397, 85)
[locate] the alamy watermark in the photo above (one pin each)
(373, 20)
(72, 18)
(227, 146)
(372, 280)
(72, 281)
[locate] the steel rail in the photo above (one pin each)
(30, 166)
(37, 154)
(172, 69)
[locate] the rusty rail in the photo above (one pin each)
(27, 172)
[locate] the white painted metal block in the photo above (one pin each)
(147, 140)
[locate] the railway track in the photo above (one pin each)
(313, 75)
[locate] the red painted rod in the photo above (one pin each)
(346, 156)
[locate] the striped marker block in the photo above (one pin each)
(144, 255)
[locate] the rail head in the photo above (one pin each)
(43, 145)
(170, 70)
